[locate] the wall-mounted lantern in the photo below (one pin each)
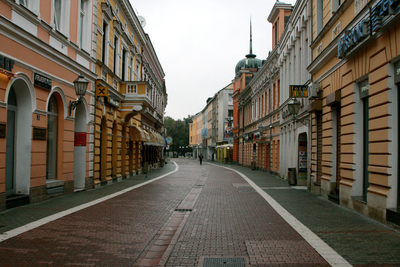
(80, 85)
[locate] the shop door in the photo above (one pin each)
(10, 150)
(338, 148)
(319, 147)
(268, 157)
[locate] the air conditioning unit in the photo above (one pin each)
(313, 90)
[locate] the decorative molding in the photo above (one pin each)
(337, 30)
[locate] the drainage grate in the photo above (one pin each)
(220, 262)
(183, 210)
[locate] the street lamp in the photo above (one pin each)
(80, 85)
(294, 107)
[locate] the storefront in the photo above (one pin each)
(44, 139)
(356, 131)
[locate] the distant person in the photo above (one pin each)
(201, 158)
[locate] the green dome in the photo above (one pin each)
(250, 62)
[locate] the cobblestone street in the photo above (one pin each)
(187, 214)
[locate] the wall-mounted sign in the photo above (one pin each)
(352, 37)
(381, 11)
(42, 81)
(298, 90)
(39, 133)
(80, 139)
(6, 63)
(113, 102)
(6, 66)
(302, 161)
(228, 131)
(397, 72)
(364, 88)
(2, 130)
(101, 90)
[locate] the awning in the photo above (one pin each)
(139, 134)
(155, 139)
(225, 146)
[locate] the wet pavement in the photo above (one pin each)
(187, 214)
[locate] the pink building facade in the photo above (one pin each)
(44, 147)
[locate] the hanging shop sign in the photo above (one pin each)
(397, 72)
(298, 90)
(80, 139)
(101, 90)
(352, 37)
(382, 11)
(6, 66)
(42, 81)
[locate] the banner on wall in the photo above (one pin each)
(80, 139)
(228, 131)
(302, 161)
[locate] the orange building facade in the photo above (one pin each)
(355, 121)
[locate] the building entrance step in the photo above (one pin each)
(16, 200)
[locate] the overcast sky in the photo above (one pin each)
(199, 43)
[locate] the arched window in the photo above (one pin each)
(52, 140)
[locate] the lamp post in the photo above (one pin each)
(80, 85)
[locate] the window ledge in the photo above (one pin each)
(362, 199)
(51, 183)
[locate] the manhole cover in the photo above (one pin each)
(219, 262)
(183, 210)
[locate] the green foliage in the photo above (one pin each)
(179, 131)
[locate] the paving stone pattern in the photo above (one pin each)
(199, 215)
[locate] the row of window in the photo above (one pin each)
(60, 18)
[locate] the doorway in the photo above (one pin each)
(10, 143)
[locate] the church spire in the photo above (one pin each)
(251, 55)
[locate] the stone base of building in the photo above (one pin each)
(89, 183)
(374, 206)
(327, 188)
(2, 201)
(315, 188)
(37, 194)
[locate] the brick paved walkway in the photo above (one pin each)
(201, 215)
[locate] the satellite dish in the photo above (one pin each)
(142, 21)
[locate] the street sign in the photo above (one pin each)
(298, 91)
(169, 140)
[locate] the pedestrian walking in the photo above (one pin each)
(201, 158)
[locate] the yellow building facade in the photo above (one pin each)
(355, 119)
(130, 96)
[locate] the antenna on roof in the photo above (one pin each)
(142, 21)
